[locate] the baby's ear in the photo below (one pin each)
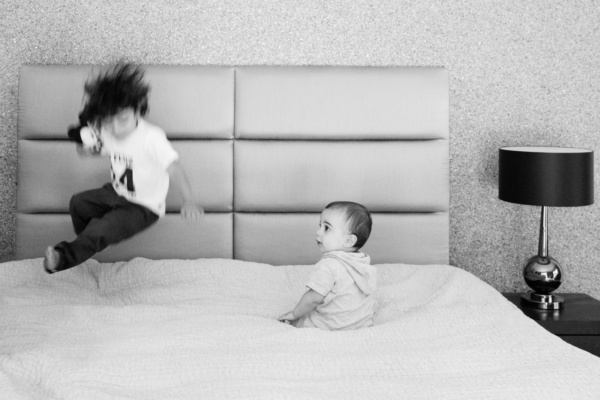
(350, 240)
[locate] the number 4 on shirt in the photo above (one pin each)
(127, 180)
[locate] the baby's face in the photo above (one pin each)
(122, 124)
(333, 231)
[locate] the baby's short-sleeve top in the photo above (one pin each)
(345, 305)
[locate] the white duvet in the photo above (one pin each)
(207, 329)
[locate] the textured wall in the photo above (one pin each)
(521, 73)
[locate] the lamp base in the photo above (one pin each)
(542, 274)
(543, 301)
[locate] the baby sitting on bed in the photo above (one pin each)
(142, 160)
(340, 290)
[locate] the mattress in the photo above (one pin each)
(207, 329)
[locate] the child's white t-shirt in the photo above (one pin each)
(139, 165)
(348, 281)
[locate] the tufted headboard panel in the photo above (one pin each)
(265, 148)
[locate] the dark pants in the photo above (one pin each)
(101, 217)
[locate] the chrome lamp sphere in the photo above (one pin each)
(542, 274)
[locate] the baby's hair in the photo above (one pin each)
(359, 220)
(120, 87)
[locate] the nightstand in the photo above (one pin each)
(578, 323)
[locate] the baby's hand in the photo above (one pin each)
(192, 213)
(287, 317)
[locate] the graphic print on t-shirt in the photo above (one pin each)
(121, 171)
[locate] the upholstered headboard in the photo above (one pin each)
(265, 148)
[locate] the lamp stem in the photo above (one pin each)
(543, 246)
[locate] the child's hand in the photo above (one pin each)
(90, 138)
(85, 151)
(192, 213)
(287, 317)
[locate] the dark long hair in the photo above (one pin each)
(120, 87)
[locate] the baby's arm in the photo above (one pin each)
(308, 302)
(189, 210)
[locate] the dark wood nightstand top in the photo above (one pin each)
(580, 316)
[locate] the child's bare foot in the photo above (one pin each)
(51, 260)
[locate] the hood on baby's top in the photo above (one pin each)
(359, 267)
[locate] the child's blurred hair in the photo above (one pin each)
(120, 87)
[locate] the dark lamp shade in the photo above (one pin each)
(546, 176)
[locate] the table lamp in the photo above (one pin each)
(546, 177)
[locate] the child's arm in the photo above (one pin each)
(189, 210)
(86, 139)
(308, 302)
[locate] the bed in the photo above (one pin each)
(187, 312)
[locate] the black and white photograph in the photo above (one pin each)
(304, 200)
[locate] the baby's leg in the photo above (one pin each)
(114, 226)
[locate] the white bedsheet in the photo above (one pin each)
(207, 329)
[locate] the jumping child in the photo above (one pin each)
(143, 162)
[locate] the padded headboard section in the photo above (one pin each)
(265, 148)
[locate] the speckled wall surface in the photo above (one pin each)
(521, 73)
